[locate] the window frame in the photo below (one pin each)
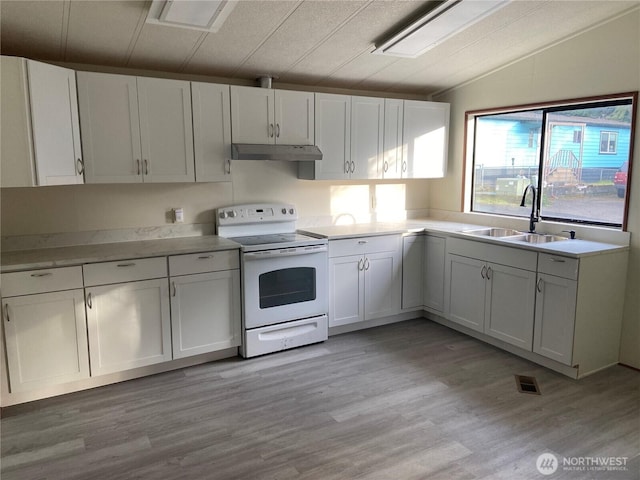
(547, 107)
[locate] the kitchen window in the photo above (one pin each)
(570, 151)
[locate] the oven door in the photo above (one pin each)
(284, 284)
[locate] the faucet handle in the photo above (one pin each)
(572, 233)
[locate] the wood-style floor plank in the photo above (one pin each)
(412, 400)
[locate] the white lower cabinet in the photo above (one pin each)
(205, 307)
(364, 279)
(46, 339)
(497, 299)
(412, 271)
(128, 323)
(434, 267)
(45, 328)
(555, 317)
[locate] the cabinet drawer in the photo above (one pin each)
(203, 262)
(558, 266)
(124, 271)
(41, 281)
(355, 246)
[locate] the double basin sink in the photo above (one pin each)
(515, 235)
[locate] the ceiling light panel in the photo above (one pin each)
(436, 26)
(206, 15)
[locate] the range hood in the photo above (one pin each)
(250, 151)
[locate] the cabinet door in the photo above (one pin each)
(382, 283)
(205, 312)
(555, 318)
(434, 263)
(46, 339)
(425, 139)
(211, 131)
(252, 115)
(333, 136)
(467, 291)
(54, 119)
(367, 121)
(16, 148)
(510, 304)
(166, 130)
(110, 128)
(392, 143)
(294, 117)
(412, 271)
(129, 325)
(346, 290)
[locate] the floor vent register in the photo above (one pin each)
(527, 385)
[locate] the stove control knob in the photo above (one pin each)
(284, 211)
(223, 215)
(291, 211)
(233, 214)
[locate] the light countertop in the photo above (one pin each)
(79, 254)
(571, 248)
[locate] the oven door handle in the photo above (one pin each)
(284, 252)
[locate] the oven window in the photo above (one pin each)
(286, 286)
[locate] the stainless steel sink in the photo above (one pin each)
(537, 238)
(493, 232)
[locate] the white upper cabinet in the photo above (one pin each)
(136, 129)
(333, 138)
(392, 142)
(367, 124)
(295, 119)
(40, 127)
(166, 130)
(266, 116)
(211, 131)
(425, 139)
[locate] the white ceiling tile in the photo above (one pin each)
(33, 27)
(101, 32)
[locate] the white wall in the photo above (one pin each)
(600, 61)
(82, 208)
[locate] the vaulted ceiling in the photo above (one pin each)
(325, 43)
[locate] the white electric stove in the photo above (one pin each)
(284, 277)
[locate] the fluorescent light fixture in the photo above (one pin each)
(207, 15)
(441, 23)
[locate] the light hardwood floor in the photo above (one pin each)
(412, 400)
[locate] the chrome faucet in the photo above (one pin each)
(535, 214)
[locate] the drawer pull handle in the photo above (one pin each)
(360, 264)
(6, 312)
(557, 260)
(483, 271)
(89, 301)
(173, 284)
(205, 257)
(489, 273)
(130, 264)
(362, 242)
(138, 164)
(146, 166)
(37, 275)
(539, 285)
(366, 264)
